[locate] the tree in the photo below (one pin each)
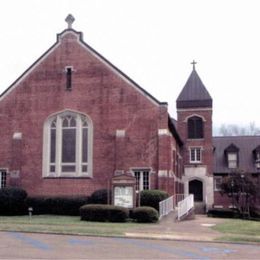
(236, 130)
(241, 189)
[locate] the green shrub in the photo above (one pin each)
(103, 213)
(102, 196)
(57, 205)
(145, 215)
(223, 213)
(12, 201)
(151, 198)
(255, 212)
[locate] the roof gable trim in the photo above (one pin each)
(29, 70)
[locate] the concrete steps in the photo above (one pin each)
(200, 207)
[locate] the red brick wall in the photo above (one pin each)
(222, 200)
(109, 100)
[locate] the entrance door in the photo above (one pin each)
(196, 188)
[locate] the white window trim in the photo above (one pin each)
(196, 156)
(231, 161)
(47, 145)
(69, 67)
(215, 182)
(141, 181)
(194, 115)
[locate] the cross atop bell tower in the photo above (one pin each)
(193, 63)
(69, 20)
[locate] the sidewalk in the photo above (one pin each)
(198, 229)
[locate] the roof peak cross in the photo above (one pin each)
(69, 20)
(193, 63)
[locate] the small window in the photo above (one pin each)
(256, 154)
(2, 179)
(195, 127)
(232, 160)
(69, 78)
(195, 154)
(217, 183)
(231, 155)
(142, 179)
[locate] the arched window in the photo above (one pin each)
(195, 128)
(67, 145)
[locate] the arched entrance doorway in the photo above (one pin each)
(196, 188)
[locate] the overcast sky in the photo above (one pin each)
(153, 42)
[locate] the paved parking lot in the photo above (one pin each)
(45, 246)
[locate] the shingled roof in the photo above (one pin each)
(246, 146)
(194, 93)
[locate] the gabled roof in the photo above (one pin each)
(79, 36)
(232, 148)
(194, 93)
(246, 146)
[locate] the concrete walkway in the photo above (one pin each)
(198, 229)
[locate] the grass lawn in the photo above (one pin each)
(235, 230)
(239, 230)
(64, 225)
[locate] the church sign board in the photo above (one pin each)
(123, 191)
(123, 196)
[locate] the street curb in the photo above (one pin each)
(148, 236)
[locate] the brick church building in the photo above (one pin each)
(72, 121)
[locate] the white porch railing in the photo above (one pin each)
(181, 202)
(185, 206)
(177, 198)
(166, 206)
(169, 204)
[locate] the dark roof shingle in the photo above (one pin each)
(246, 146)
(194, 93)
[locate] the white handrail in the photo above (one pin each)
(165, 207)
(185, 206)
(178, 197)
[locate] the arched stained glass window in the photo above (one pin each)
(67, 145)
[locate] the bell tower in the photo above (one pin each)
(194, 117)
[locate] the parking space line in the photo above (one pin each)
(30, 241)
(74, 241)
(164, 249)
(216, 250)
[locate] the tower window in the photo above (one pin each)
(69, 78)
(195, 127)
(195, 154)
